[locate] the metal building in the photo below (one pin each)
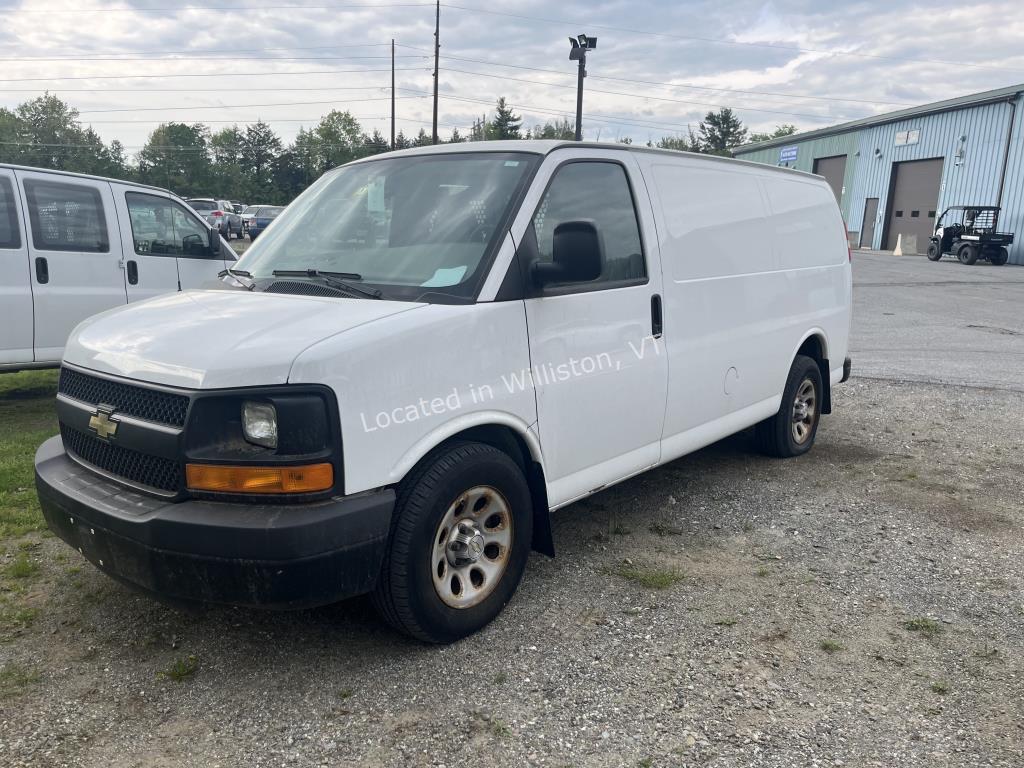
(894, 173)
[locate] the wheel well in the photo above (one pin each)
(814, 348)
(510, 442)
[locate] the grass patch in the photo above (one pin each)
(646, 762)
(649, 576)
(13, 617)
(500, 679)
(940, 687)
(925, 626)
(181, 669)
(830, 646)
(22, 567)
(14, 679)
(728, 621)
(345, 693)
(500, 729)
(27, 418)
(763, 572)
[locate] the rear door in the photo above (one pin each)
(75, 253)
(15, 277)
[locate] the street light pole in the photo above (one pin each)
(578, 52)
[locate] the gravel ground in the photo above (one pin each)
(783, 642)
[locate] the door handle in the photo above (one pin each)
(42, 270)
(133, 273)
(657, 326)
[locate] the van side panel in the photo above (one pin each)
(407, 382)
(742, 290)
(15, 278)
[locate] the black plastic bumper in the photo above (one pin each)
(847, 370)
(275, 556)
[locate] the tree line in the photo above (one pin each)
(252, 163)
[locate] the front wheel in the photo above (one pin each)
(460, 538)
(792, 430)
(934, 251)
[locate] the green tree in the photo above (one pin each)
(721, 131)
(376, 143)
(423, 139)
(176, 156)
(401, 142)
(559, 129)
(456, 137)
(688, 143)
(260, 147)
(506, 122)
(786, 129)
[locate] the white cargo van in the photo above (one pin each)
(429, 352)
(74, 245)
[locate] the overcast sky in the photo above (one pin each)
(811, 63)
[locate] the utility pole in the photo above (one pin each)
(392, 94)
(578, 52)
(437, 55)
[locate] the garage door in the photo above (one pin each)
(913, 198)
(833, 169)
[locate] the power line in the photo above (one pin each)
(83, 55)
(171, 9)
(202, 74)
(196, 90)
(237, 106)
(683, 85)
(660, 98)
(721, 41)
(215, 58)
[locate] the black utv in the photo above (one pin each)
(969, 232)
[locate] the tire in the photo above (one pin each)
(967, 254)
(999, 257)
(934, 251)
(778, 435)
(416, 590)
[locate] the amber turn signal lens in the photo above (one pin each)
(233, 479)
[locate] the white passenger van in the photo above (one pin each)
(429, 352)
(74, 245)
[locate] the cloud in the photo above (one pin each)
(876, 54)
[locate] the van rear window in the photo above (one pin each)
(9, 235)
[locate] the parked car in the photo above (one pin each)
(238, 207)
(261, 219)
(429, 352)
(73, 245)
(220, 214)
(247, 214)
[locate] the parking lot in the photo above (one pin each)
(859, 606)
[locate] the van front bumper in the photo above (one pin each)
(269, 555)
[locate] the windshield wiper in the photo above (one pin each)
(334, 279)
(236, 273)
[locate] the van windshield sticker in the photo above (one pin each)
(511, 163)
(445, 277)
(375, 195)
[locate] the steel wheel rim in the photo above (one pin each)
(471, 547)
(805, 411)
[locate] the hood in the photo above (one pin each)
(210, 339)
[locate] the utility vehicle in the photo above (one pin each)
(969, 233)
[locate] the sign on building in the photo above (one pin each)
(904, 138)
(788, 154)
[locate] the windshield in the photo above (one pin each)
(270, 212)
(409, 226)
(202, 205)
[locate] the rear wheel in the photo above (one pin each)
(967, 254)
(792, 430)
(934, 251)
(999, 257)
(460, 538)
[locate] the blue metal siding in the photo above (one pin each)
(975, 179)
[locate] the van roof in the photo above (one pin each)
(546, 146)
(85, 176)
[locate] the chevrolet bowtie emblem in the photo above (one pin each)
(103, 423)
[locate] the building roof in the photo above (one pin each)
(1009, 93)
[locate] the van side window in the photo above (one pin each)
(599, 192)
(66, 217)
(9, 236)
(162, 227)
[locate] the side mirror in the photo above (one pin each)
(576, 255)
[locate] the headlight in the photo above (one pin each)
(259, 423)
